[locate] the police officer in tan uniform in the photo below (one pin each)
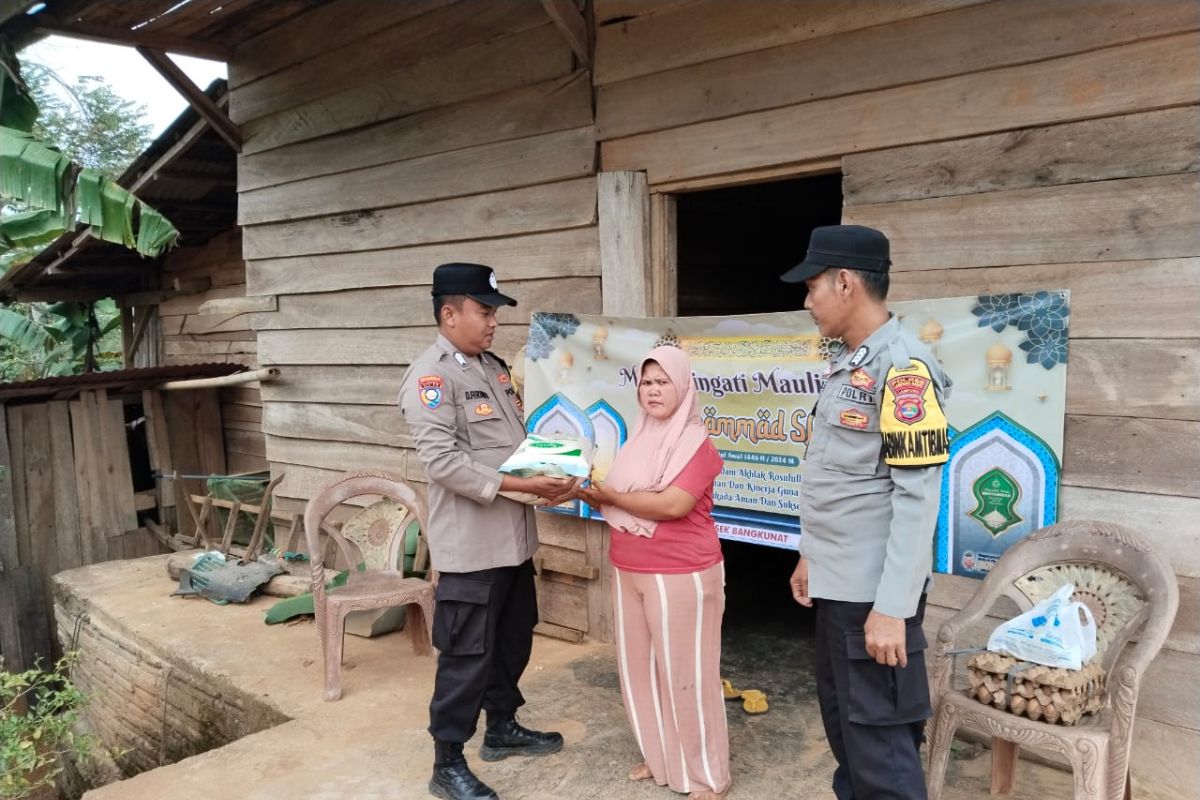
(868, 512)
(466, 419)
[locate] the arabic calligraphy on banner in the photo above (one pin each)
(758, 377)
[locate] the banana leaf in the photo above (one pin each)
(23, 331)
(39, 176)
(30, 229)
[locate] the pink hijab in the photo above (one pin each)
(659, 449)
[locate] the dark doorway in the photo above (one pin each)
(733, 244)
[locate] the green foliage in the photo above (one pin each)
(71, 180)
(93, 125)
(38, 711)
(42, 341)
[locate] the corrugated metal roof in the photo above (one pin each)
(125, 380)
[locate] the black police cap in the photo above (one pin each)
(476, 281)
(842, 247)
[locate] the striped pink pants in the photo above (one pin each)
(669, 661)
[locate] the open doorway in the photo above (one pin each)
(732, 246)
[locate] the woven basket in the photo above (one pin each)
(1056, 695)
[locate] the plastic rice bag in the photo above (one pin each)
(559, 457)
(1052, 633)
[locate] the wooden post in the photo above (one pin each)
(624, 211)
(664, 255)
(10, 642)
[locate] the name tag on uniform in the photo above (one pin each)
(856, 395)
(475, 394)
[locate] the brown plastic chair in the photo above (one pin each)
(1130, 590)
(375, 588)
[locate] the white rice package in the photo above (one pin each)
(559, 457)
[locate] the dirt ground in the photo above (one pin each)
(372, 745)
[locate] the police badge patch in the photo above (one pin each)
(429, 388)
(860, 356)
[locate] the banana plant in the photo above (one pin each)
(45, 341)
(55, 193)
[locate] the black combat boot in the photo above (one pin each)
(506, 737)
(452, 778)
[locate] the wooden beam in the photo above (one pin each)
(197, 99)
(571, 24)
(139, 332)
(48, 295)
(101, 33)
(239, 305)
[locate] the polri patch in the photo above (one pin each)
(483, 410)
(430, 388)
(851, 418)
(475, 394)
(860, 356)
(861, 379)
(856, 395)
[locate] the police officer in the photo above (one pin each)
(868, 511)
(466, 419)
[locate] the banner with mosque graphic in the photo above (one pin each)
(758, 377)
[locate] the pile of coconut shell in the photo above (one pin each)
(1056, 695)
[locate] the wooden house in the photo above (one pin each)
(598, 154)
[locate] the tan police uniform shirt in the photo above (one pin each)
(867, 525)
(466, 419)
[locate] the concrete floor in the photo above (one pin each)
(373, 744)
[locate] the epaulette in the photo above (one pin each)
(503, 363)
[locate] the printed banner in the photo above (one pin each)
(758, 377)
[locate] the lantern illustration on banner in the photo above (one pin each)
(599, 340)
(931, 334)
(999, 365)
(565, 362)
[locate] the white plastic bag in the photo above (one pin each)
(560, 457)
(1050, 633)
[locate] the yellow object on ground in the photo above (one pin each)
(753, 701)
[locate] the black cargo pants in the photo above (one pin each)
(483, 627)
(874, 715)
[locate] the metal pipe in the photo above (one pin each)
(264, 374)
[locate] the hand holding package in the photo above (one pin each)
(1052, 633)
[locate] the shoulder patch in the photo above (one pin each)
(429, 388)
(914, 427)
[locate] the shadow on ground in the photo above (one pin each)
(767, 645)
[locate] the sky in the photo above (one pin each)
(129, 75)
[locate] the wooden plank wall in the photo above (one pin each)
(441, 131)
(1005, 145)
(190, 336)
(66, 500)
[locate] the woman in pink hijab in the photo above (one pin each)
(668, 583)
